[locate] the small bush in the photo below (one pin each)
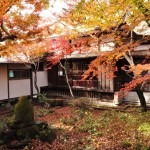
(29, 132)
(44, 112)
(126, 144)
(82, 102)
(145, 128)
(138, 146)
(47, 135)
(23, 114)
(2, 129)
(43, 99)
(42, 125)
(69, 121)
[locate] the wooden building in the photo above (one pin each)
(16, 79)
(101, 87)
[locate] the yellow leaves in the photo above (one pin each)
(94, 13)
(26, 52)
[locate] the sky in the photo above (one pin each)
(57, 6)
(142, 28)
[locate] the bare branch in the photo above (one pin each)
(3, 28)
(10, 37)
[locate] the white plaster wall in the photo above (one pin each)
(3, 82)
(142, 47)
(19, 87)
(42, 80)
(133, 98)
(22, 87)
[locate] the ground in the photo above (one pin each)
(92, 129)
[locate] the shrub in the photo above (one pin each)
(138, 146)
(2, 129)
(43, 99)
(82, 102)
(29, 132)
(47, 135)
(69, 121)
(145, 128)
(23, 114)
(44, 111)
(125, 144)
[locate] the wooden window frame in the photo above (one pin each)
(19, 74)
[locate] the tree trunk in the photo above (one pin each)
(138, 88)
(35, 82)
(67, 80)
(141, 98)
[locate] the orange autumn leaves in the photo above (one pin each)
(20, 18)
(138, 69)
(5, 5)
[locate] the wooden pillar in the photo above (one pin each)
(8, 87)
(31, 84)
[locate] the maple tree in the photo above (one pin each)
(20, 22)
(30, 56)
(60, 47)
(117, 19)
(21, 28)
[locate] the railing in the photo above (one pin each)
(91, 93)
(79, 83)
(86, 83)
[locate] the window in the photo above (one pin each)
(79, 68)
(61, 71)
(19, 74)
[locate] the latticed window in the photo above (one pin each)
(75, 68)
(61, 71)
(79, 68)
(16, 74)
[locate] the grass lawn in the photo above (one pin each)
(94, 129)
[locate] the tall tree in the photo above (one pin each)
(61, 48)
(117, 19)
(22, 28)
(19, 22)
(31, 56)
